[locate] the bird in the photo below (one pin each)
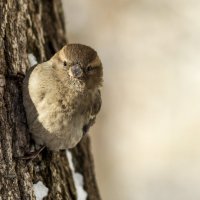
(62, 96)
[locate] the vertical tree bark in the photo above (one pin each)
(33, 27)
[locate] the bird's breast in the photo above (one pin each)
(64, 114)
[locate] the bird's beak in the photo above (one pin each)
(76, 71)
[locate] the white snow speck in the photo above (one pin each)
(32, 59)
(78, 179)
(40, 190)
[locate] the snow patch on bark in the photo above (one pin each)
(40, 190)
(78, 179)
(32, 59)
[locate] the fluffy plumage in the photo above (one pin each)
(62, 96)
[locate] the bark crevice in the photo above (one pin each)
(37, 27)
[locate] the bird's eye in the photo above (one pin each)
(89, 68)
(65, 63)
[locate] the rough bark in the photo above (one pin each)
(37, 27)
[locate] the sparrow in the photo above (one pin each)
(62, 96)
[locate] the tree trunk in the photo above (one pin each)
(34, 27)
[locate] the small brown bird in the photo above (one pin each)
(62, 96)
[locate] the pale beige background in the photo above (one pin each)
(147, 137)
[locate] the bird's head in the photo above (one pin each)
(79, 63)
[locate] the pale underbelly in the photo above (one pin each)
(57, 130)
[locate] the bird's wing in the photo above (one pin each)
(96, 106)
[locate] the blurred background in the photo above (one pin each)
(146, 142)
